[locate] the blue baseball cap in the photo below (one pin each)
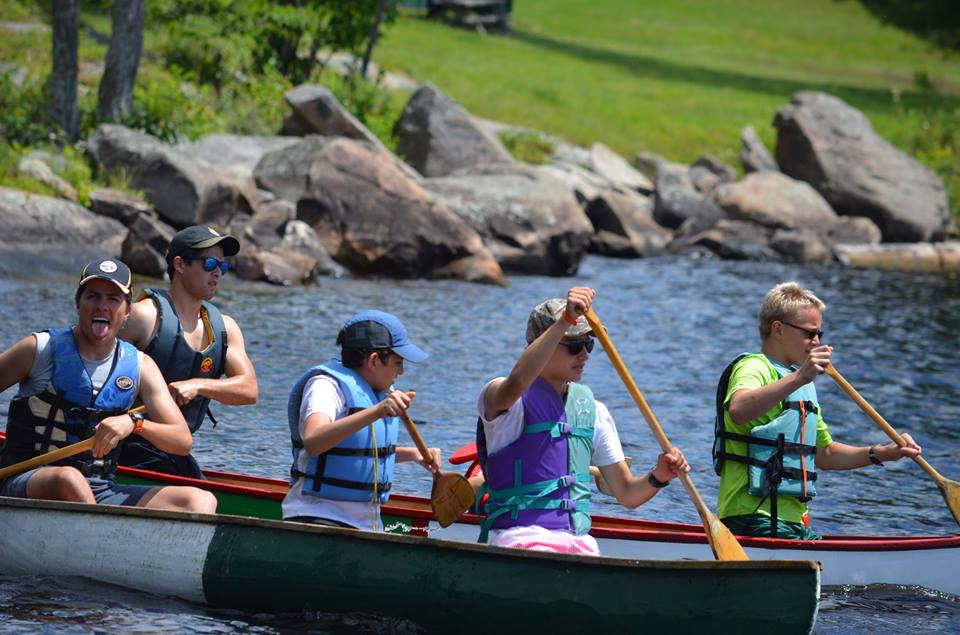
(378, 329)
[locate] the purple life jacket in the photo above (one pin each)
(543, 477)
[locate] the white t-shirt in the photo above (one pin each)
(322, 394)
(504, 429)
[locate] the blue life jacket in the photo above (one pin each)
(66, 411)
(543, 477)
(346, 472)
(177, 360)
(781, 454)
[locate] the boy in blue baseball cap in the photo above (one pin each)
(344, 419)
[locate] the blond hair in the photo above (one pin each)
(783, 302)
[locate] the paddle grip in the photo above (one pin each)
(877, 419)
(54, 456)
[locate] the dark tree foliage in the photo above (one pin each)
(934, 20)
(217, 41)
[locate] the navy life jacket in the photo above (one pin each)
(178, 361)
(359, 465)
(66, 411)
(781, 454)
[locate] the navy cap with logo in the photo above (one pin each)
(110, 269)
(200, 237)
(377, 329)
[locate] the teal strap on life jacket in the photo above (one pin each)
(530, 496)
(556, 429)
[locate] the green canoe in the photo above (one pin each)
(272, 566)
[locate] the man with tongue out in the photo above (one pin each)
(81, 381)
(199, 350)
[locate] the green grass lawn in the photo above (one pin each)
(682, 78)
(679, 78)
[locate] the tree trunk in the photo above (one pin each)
(123, 59)
(374, 34)
(63, 76)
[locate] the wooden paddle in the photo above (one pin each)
(451, 494)
(722, 541)
(949, 489)
(54, 455)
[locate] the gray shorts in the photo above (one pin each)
(105, 491)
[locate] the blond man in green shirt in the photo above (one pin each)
(773, 438)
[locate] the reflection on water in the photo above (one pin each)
(675, 322)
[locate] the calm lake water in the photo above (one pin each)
(676, 322)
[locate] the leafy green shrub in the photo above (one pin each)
(24, 110)
(68, 162)
(218, 40)
(375, 107)
(932, 136)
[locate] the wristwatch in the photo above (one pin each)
(137, 418)
(872, 455)
(653, 480)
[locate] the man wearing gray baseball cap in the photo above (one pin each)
(199, 350)
(540, 430)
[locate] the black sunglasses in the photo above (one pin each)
(575, 346)
(210, 263)
(809, 333)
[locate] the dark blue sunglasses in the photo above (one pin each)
(210, 263)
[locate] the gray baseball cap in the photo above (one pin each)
(546, 313)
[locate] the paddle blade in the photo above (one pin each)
(722, 541)
(451, 496)
(951, 494)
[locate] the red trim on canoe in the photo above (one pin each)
(417, 509)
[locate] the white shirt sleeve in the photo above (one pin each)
(322, 394)
(606, 441)
(503, 429)
(41, 372)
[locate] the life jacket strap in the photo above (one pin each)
(381, 487)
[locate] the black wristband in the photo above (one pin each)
(653, 480)
(872, 455)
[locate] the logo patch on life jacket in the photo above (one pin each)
(206, 365)
(124, 383)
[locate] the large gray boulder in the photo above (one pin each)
(61, 231)
(530, 220)
(776, 201)
(373, 219)
(240, 153)
(754, 156)
(678, 201)
(833, 147)
(118, 205)
(623, 225)
(318, 111)
(284, 171)
(182, 189)
(735, 240)
(145, 247)
(438, 137)
(603, 164)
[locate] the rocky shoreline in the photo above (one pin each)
(327, 198)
